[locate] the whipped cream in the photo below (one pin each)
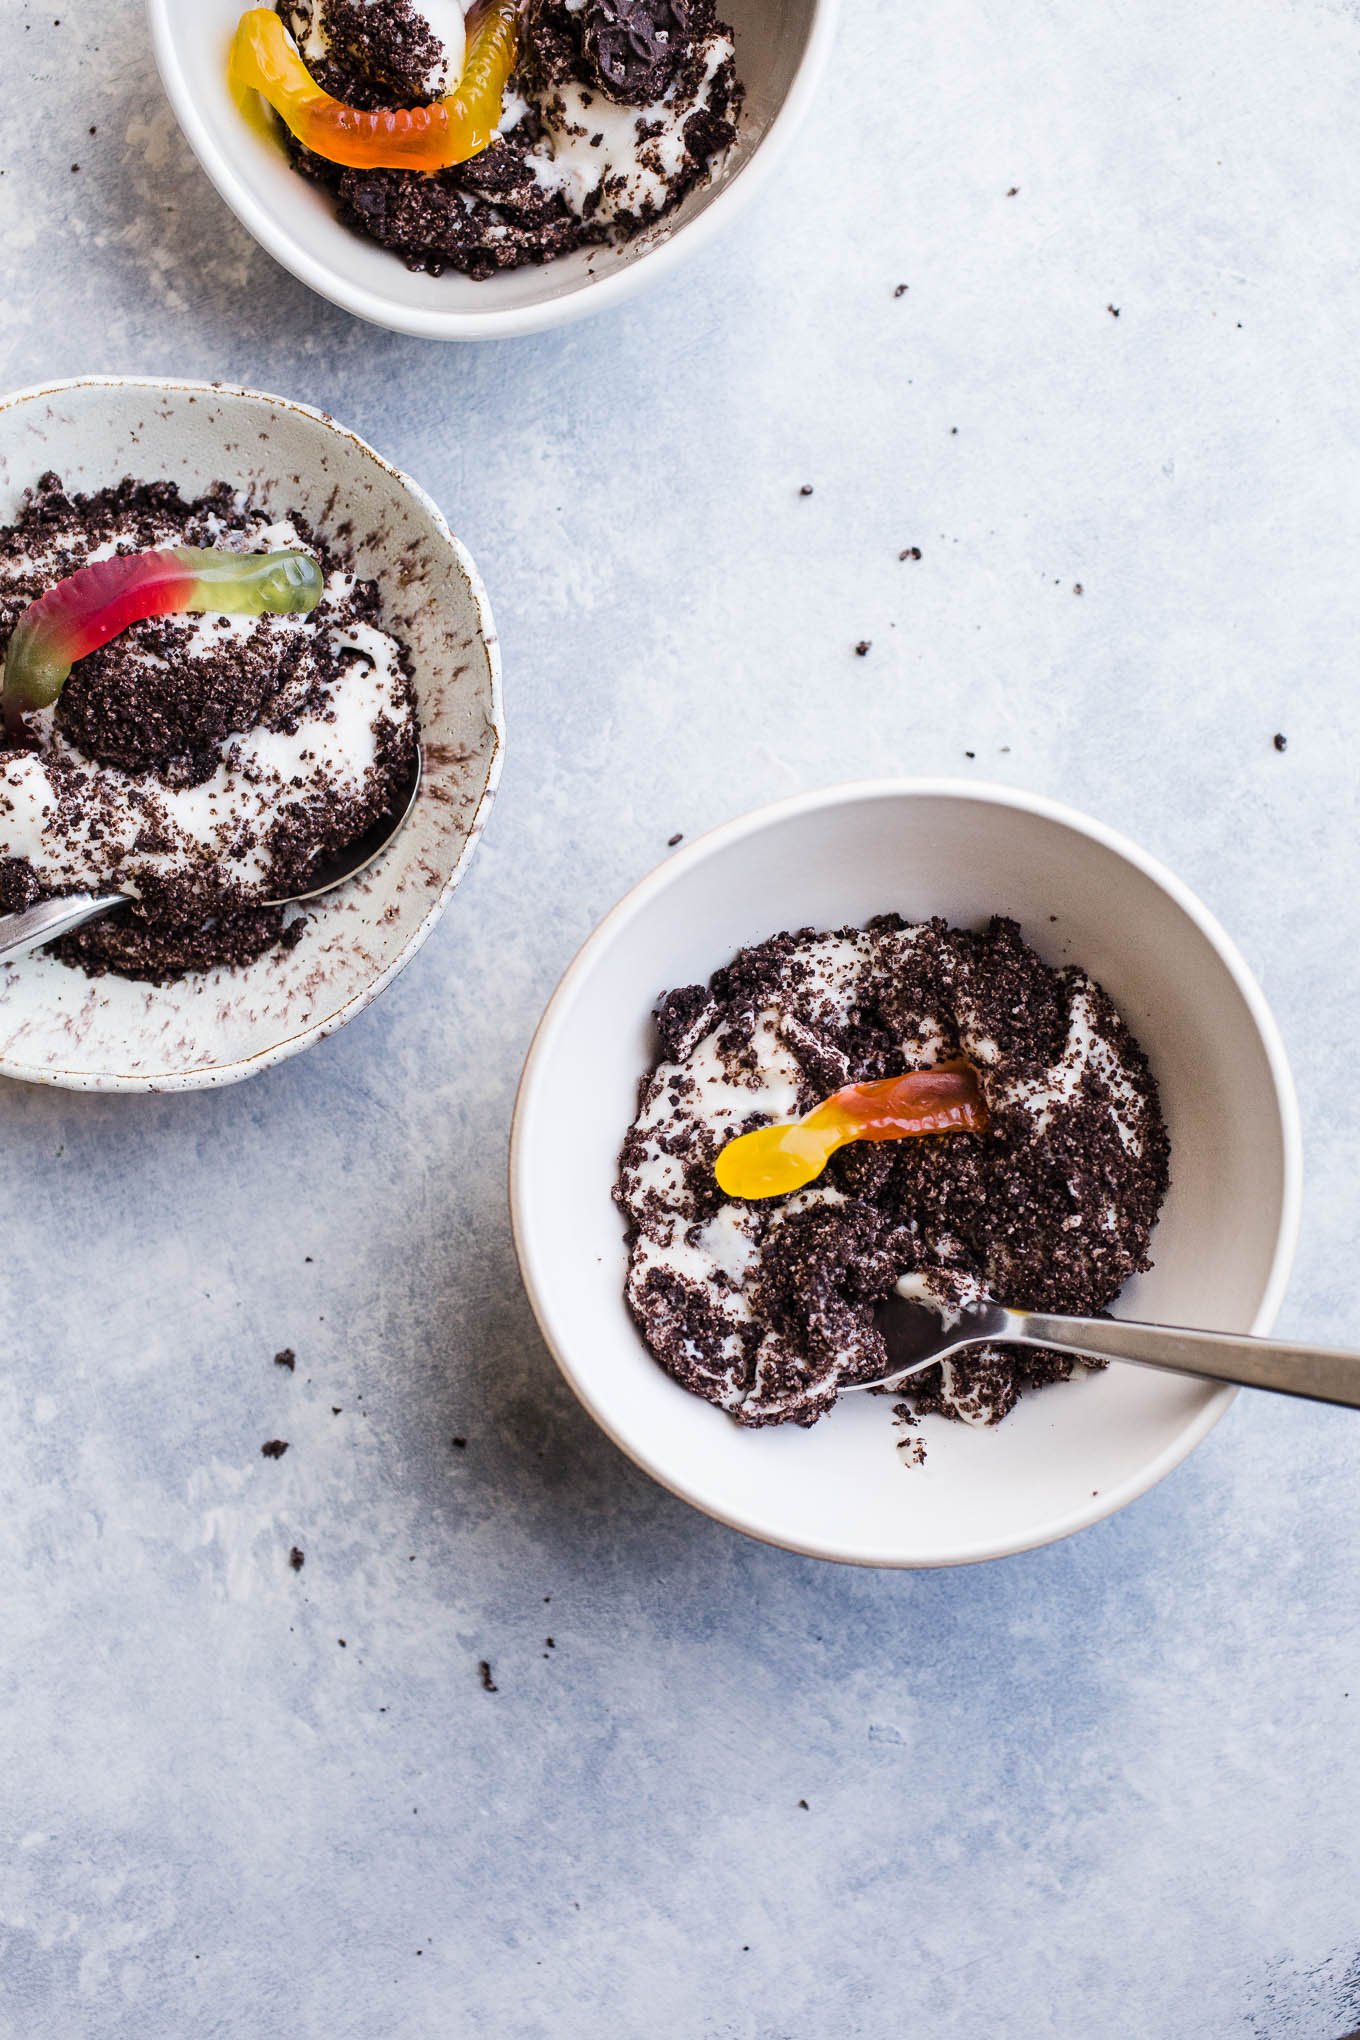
(608, 159)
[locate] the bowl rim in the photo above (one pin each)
(231, 1073)
(640, 897)
(649, 266)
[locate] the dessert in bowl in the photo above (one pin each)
(599, 118)
(204, 758)
(617, 134)
(202, 755)
(1150, 1011)
(1036, 1170)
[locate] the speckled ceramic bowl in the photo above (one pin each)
(1066, 1455)
(781, 52)
(58, 1026)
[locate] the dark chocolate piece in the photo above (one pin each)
(637, 45)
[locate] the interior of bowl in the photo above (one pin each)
(297, 223)
(1067, 1454)
(59, 1026)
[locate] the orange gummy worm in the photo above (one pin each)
(774, 1160)
(265, 59)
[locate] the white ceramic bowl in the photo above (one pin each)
(1067, 1455)
(108, 1034)
(782, 46)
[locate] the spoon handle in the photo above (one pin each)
(52, 918)
(1318, 1373)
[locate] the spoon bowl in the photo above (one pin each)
(345, 864)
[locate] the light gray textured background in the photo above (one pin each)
(1107, 1789)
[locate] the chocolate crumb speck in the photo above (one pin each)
(678, 837)
(806, 1808)
(1014, 191)
(484, 1673)
(274, 1448)
(286, 1358)
(806, 489)
(901, 290)
(1113, 311)
(863, 648)
(1280, 741)
(297, 1559)
(1077, 588)
(460, 1444)
(910, 552)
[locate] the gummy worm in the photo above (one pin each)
(265, 59)
(775, 1160)
(98, 603)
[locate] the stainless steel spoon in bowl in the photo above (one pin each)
(51, 919)
(918, 1334)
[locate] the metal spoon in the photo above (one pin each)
(51, 919)
(917, 1335)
